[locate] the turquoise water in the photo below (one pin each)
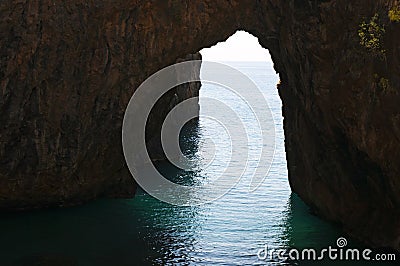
(145, 231)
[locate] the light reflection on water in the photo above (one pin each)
(143, 230)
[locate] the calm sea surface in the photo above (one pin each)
(145, 231)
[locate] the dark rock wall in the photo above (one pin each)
(341, 120)
(168, 101)
(69, 68)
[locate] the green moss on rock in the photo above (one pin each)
(371, 35)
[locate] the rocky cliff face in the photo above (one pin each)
(168, 101)
(68, 70)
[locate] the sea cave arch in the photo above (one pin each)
(65, 87)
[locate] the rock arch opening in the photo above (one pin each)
(65, 87)
(243, 52)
